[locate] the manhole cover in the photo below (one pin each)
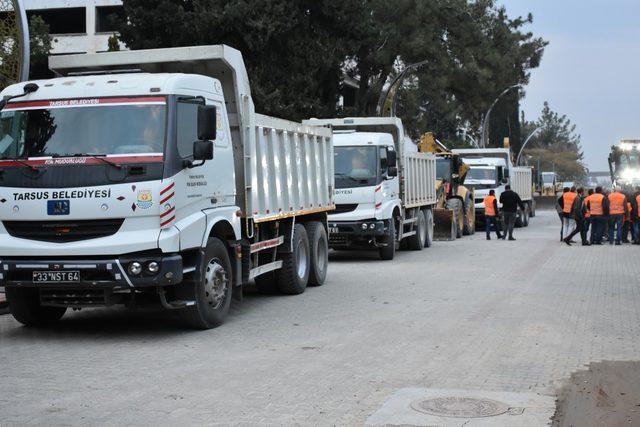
(460, 407)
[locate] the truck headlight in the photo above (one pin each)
(153, 267)
(135, 268)
(372, 225)
(364, 226)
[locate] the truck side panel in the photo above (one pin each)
(521, 182)
(419, 180)
(290, 168)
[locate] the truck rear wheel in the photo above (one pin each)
(469, 216)
(212, 294)
(527, 213)
(25, 307)
(319, 252)
(416, 242)
(293, 277)
(428, 219)
(388, 252)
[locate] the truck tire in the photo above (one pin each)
(293, 277)
(428, 217)
(416, 242)
(212, 294)
(533, 209)
(25, 307)
(319, 252)
(387, 253)
(525, 216)
(456, 206)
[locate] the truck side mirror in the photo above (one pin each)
(506, 173)
(206, 123)
(203, 150)
(392, 161)
(392, 171)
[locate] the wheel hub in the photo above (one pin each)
(216, 282)
(303, 259)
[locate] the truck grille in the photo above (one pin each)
(342, 208)
(73, 297)
(63, 231)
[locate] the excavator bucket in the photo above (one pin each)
(444, 224)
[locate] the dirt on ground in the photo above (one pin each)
(605, 394)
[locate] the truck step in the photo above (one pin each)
(255, 272)
(408, 234)
(410, 220)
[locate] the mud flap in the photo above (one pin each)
(444, 225)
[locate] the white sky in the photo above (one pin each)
(590, 70)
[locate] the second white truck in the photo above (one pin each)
(493, 169)
(385, 189)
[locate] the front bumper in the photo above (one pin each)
(95, 273)
(343, 234)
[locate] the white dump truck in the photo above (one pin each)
(147, 175)
(493, 169)
(385, 189)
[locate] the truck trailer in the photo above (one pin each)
(147, 176)
(493, 169)
(385, 189)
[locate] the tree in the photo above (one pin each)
(556, 146)
(40, 46)
(298, 51)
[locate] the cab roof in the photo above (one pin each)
(347, 138)
(126, 84)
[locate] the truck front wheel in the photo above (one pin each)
(293, 277)
(388, 252)
(25, 307)
(212, 294)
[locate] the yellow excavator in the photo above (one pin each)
(454, 214)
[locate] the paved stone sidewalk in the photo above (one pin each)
(508, 317)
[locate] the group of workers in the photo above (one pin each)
(602, 212)
(510, 200)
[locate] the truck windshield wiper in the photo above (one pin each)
(100, 157)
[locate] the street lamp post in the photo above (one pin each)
(485, 120)
(526, 141)
(395, 83)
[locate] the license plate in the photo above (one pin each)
(333, 230)
(56, 276)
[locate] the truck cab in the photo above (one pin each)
(367, 189)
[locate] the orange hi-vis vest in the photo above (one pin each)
(638, 204)
(587, 212)
(567, 201)
(616, 203)
(595, 204)
(489, 208)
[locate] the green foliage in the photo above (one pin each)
(297, 52)
(113, 45)
(40, 47)
(556, 146)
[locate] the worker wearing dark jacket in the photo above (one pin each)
(578, 212)
(510, 201)
(491, 214)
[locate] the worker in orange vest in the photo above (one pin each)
(587, 212)
(491, 214)
(578, 211)
(627, 224)
(598, 207)
(566, 203)
(617, 209)
(635, 201)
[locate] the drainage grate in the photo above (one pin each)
(460, 407)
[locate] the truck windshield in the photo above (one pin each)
(482, 174)
(111, 128)
(356, 166)
(547, 179)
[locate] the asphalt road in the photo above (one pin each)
(473, 315)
